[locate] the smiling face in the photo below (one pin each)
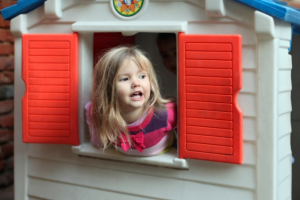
(132, 87)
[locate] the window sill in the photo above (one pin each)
(168, 159)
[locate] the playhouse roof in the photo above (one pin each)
(273, 8)
(278, 9)
(22, 7)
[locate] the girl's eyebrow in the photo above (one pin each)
(142, 70)
(124, 74)
(128, 73)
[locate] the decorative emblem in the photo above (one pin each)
(128, 8)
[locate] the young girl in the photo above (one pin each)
(127, 110)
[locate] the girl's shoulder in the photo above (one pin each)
(88, 105)
(172, 113)
(88, 108)
(171, 105)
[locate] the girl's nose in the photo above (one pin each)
(135, 83)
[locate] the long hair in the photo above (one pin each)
(106, 116)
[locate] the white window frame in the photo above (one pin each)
(86, 31)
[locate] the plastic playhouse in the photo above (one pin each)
(233, 88)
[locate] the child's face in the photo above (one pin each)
(133, 87)
(167, 49)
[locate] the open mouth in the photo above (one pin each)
(136, 95)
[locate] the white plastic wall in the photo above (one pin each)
(46, 171)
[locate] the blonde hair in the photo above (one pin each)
(106, 116)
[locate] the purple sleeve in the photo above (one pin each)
(94, 136)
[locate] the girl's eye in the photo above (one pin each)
(142, 76)
(124, 79)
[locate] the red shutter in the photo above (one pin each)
(50, 104)
(210, 77)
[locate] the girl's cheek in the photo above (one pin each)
(121, 91)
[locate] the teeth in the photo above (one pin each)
(136, 95)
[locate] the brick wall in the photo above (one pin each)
(6, 106)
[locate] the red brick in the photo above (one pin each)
(5, 4)
(11, 134)
(6, 62)
(4, 23)
(6, 77)
(294, 4)
(6, 135)
(6, 179)
(9, 36)
(7, 121)
(9, 163)
(5, 35)
(2, 34)
(6, 91)
(6, 106)
(2, 164)
(7, 150)
(4, 138)
(6, 49)
(7, 193)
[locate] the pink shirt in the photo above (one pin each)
(153, 130)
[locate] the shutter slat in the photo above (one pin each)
(208, 89)
(209, 98)
(48, 118)
(208, 47)
(225, 73)
(49, 96)
(49, 59)
(209, 106)
(48, 67)
(49, 52)
(215, 149)
(42, 89)
(209, 114)
(209, 131)
(215, 64)
(49, 74)
(196, 80)
(48, 81)
(49, 45)
(208, 123)
(49, 126)
(200, 139)
(49, 111)
(48, 104)
(48, 133)
(208, 55)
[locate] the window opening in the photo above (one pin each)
(162, 51)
